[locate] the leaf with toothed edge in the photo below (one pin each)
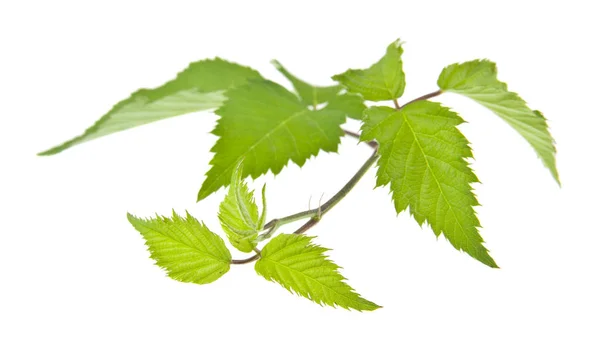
(184, 247)
(267, 126)
(382, 81)
(238, 213)
(199, 87)
(477, 80)
(298, 265)
(423, 158)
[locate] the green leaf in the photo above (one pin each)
(477, 80)
(309, 94)
(184, 247)
(382, 81)
(300, 266)
(199, 87)
(423, 158)
(266, 125)
(351, 105)
(238, 213)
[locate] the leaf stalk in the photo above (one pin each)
(424, 97)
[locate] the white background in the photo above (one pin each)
(75, 275)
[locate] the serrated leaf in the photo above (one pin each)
(423, 158)
(238, 213)
(199, 87)
(311, 95)
(298, 265)
(266, 125)
(382, 81)
(478, 80)
(184, 247)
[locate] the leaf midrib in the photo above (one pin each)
(346, 297)
(208, 253)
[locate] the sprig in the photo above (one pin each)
(418, 148)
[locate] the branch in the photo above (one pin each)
(316, 214)
(320, 211)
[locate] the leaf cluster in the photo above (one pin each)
(421, 155)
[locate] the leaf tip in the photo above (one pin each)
(556, 177)
(203, 193)
(134, 220)
(47, 152)
(375, 307)
(397, 43)
(57, 149)
(276, 63)
(367, 305)
(489, 261)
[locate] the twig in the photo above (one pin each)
(316, 214)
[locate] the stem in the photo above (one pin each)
(316, 214)
(276, 223)
(373, 144)
(348, 186)
(245, 261)
(340, 195)
(424, 97)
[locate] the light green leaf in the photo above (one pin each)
(266, 125)
(352, 105)
(300, 266)
(199, 87)
(184, 247)
(238, 213)
(382, 81)
(477, 80)
(423, 158)
(309, 94)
